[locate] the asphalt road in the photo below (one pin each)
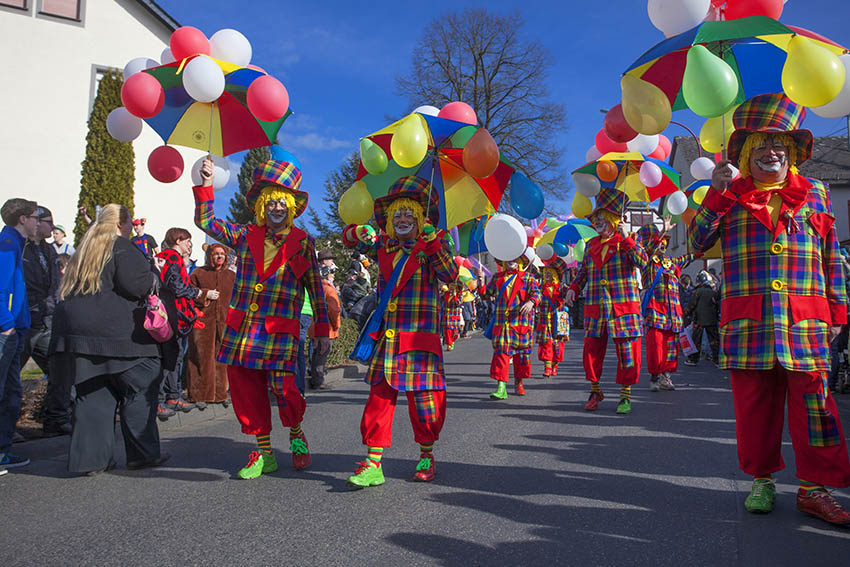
(528, 481)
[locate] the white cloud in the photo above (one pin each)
(315, 141)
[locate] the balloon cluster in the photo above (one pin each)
(199, 65)
(673, 17)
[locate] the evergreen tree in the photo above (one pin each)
(337, 183)
(109, 169)
(240, 213)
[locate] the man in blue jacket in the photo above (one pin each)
(19, 216)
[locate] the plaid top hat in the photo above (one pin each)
(649, 235)
(414, 188)
(768, 113)
(282, 174)
(612, 200)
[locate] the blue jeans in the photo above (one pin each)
(170, 388)
(11, 392)
(301, 361)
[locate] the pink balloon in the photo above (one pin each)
(657, 153)
(718, 157)
(605, 144)
(650, 174)
(165, 164)
(142, 95)
(188, 41)
(459, 112)
(268, 99)
(664, 142)
(256, 68)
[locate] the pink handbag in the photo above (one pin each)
(156, 320)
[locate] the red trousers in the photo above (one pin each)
(628, 358)
(820, 450)
(500, 366)
(450, 336)
(377, 423)
(662, 350)
(552, 351)
(249, 392)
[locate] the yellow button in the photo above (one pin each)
(776, 285)
(392, 306)
(603, 282)
(259, 287)
(389, 333)
(253, 307)
(777, 248)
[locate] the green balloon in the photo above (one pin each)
(578, 250)
(709, 85)
(373, 157)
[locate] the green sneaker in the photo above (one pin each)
(258, 463)
(501, 392)
(762, 496)
(625, 406)
(367, 474)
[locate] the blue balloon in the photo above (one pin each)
(280, 154)
(560, 248)
(526, 197)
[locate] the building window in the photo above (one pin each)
(642, 218)
(68, 9)
(20, 4)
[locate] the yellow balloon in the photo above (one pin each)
(699, 194)
(356, 204)
(645, 106)
(581, 206)
(409, 142)
(812, 75)
(715, 133)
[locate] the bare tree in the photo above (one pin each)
(482, 59)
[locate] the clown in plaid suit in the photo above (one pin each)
(782, 297)
(550, 348)
(612, 305)
(276, 262)
(516, 295)
(452, 318)
(663, 315)
(408, 353)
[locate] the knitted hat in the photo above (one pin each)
(770, 113)
(282, 174)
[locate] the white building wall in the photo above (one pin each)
(47, 94)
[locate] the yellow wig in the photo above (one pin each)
(548, 270)
(612, 218)
(401, 204)
(758, 140)
(274, 193)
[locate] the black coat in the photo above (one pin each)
(42, 281)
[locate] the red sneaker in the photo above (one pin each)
(426, 470)
(821, 504)
(593, 401)
(520, 389)
(300, 452)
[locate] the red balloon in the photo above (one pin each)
(716, 3)
(268, 99)
(743, 8)
(481, 154)
(188, 41)
(616, 127)
(657, 153)
(664, 143)
(459, 112)
(165, 164)
(605, 144)
(142, 95)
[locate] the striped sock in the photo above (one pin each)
(264, 443)
(810, 487)
(374, 454)
(295, 431)
(426, 447)
(595, 387)
(626, 392)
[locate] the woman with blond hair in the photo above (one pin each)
(99, 340)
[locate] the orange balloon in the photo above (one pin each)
(481, 154)
(606, 170)
(688, 215)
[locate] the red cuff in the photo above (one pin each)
(718, 202)
(838, 311)
(433, 247)
(203, 194)
(349, 235)
(629, 242)
(321, 329)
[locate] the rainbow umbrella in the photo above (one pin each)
(628, 178)
(569, 233)
(222, 127)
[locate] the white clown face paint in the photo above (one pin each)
(404, 224)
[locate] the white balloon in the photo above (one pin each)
(122, 125)
(545, 251)
(676, 16)
(505, 237)
(427, 109)
(840, 105)
(587, 184)
(592, 154)
(231, 46)
(643, 144)
(677, 203)
(222, 171)
(702, 168)
(166, 57)
(203, 79)
(138, 64)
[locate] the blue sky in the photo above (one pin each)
(338, 59)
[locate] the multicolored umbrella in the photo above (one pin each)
(222, 127)
(463, 197)
(628, 176)
(569, 233)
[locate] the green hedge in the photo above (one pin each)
(343, 344)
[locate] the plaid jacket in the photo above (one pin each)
(512, 331)
(783, 286)
(452, 318)
(409, 351)
(612, 302)
(551, 299)
(663, 310)
(263, 323)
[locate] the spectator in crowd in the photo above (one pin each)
(354, 289)
(318, 359)
(207, 377)
(686, 289)
(84, 213)
(100, 342)
(59, 244)
(145, 242)
(62, 261)
(173, 277)
(21, 223)
(702, 308)
(305, 320)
